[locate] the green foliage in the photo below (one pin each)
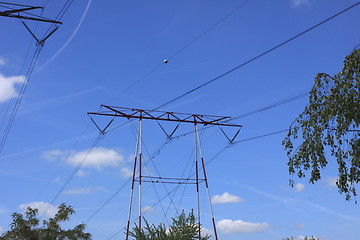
(330, 124)
(182, 228)
(27, 227)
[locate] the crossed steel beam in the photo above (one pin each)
(165, 116)
(16, 13)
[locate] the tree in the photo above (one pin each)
(183, 228)
(27, 227)
(329, 125)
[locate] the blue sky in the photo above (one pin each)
(104, 48)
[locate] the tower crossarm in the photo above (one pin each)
(164, 116)
(16, 13)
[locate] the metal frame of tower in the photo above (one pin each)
(195, 119)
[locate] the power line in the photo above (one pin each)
(213, 158)
(60, 165)
(183, 48)
(68, 180)
(257, 57)
(273, 105)
(21, 95)
(39, 47)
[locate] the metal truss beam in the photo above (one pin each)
(16, 13)
(165, 116)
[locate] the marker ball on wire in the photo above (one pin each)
(165, 61)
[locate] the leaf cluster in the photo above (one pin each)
(329, 124)
(28, 227)
(182, 228)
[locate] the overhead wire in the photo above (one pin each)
(261, 109)
(18, 101)
(53, 176)
(221, 151)
(108, 200)
(135, 133)
(38, 49)
(77, 168)
(258, 56)
(182, 48)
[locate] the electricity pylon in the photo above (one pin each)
(138, 175)
(22, 12)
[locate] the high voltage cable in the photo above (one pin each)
(129, 179)
(273, 105)
(183, 48)
(28, 76)
(123, 185)
(68, 180)
(212, 159)
(60, 165)
(19, 99)
(253, 59)
(257, 57)
(24, 85)
(60, 15)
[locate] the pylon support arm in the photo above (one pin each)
(15, 13)
(165, 116)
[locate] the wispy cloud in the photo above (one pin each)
(331, 182)
(299, 225)
(58, 100)
(2, 61)
(147, 209)
(70, 38)
(226, 198)
(83, 191)
(8, 87)
(299, 187)
(296, 3)
(227, 226)
(295, 204)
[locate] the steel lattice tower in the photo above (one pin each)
(140, 178)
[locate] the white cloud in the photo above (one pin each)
(226, 198)
(99, 157)
(126, 172)
(79, 191)
(57, 179)
(299, 187)
(205, 232)
(227, 226)
(297, 3)
(7, 87)
(51, 210)
(52, 155)
(303, 237)
(81, 173)
(147, 209)
(299, 226)
(2, 61)
(331, 182)
(1, 229)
